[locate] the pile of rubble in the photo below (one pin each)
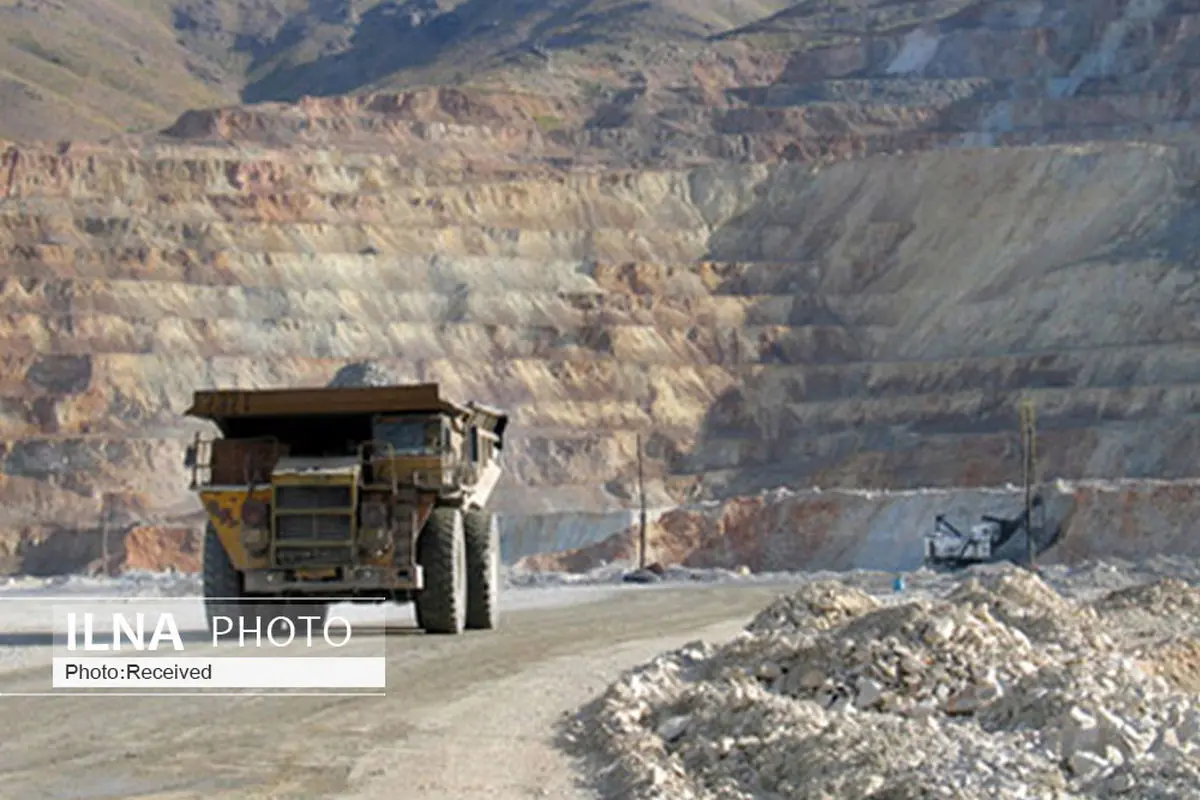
(815, 606)
(998, 687)
(1166, 597)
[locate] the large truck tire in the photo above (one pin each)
(223, 595)
(483, 570)
(441, 606)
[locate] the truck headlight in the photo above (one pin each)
(254, 514)
(256, 532)
(256, 540)
(374, 540)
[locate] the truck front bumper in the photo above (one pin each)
(345, 579)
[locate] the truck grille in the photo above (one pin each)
(313, 527)
(296, 557)
(295, 498)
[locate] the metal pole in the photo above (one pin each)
(1027, 449)
(1028, 507)
(104, 540)
(642, 499)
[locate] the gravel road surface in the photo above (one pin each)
(467, 716)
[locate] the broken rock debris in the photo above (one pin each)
(996, 685)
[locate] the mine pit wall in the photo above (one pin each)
(781, 530)
(835, 530)
(527, 535)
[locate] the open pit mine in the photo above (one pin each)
(802, 281)
(817, 279)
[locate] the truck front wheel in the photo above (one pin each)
(441, 605)
(223, 595)
(483, 570)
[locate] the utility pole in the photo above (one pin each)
(642, 499)
(105, 514)
(1029, 470)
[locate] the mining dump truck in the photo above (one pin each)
(370, 494)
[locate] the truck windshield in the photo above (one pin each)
(409, 436)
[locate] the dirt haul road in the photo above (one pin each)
(468, 716)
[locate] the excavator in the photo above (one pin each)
(949, 548)
(992, 539)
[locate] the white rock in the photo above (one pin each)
(1166, 743)
(872, 784)
(1080, 732)
(674, 727)
(923, 710)
(940, 631)
(812, 679)
(1118, 734)
(1086, 766)
(659, 776)
(975, 697)
(1189, 728)
(769, 670)
(870, 692)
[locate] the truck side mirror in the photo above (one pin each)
(189, 456)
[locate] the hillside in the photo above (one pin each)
(830, 249)
(106, 67)
(95, 69)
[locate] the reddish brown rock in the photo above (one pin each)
(158, 548)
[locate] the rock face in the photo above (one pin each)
(847, 529)
(779, 265)
(993, 683)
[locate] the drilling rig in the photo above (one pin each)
(948, 547)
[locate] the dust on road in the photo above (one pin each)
(468, 716)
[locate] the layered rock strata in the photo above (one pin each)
(829, 268)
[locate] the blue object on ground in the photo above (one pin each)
(898, 584)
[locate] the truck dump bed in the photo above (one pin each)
(221, 404)
(284, 412)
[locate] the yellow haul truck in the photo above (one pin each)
(363, 494)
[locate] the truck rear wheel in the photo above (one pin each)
(483, 570)
(441, 606)
(223, 595)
